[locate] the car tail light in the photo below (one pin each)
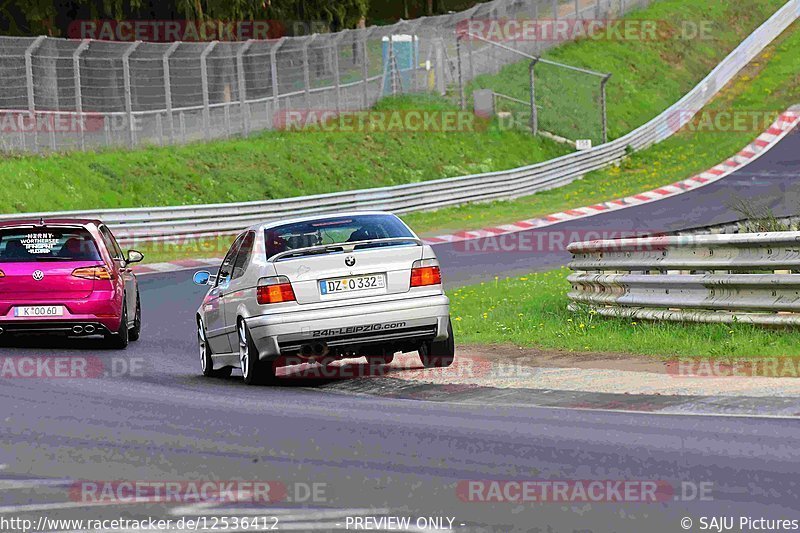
(274, 290)
(2, 274)
(92, 273)
(425, 272)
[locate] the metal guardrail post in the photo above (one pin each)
(604, 118)
(306, 69)
(273, 56)
(29, 83)
(534, 111)
(76, 68)
(126, 79)
(204, 81)
(242, 82)
(168, 88)
(336, 74)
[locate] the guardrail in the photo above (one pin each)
(749, 277)
(144, 224)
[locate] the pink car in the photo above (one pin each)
(67, 276)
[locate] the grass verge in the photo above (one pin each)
(768, 86)
(532, 311)
(648, 76)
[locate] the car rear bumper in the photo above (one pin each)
(409, 321)
(99, 309)
(84, 326)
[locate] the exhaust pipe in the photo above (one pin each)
(306, 350)
(320, 349)
(77, 330)
(89, 329)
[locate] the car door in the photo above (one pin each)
(237, 290)
(130, 283)
(213, 304)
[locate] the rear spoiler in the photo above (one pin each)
(346, 247)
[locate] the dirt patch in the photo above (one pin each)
(510, 354)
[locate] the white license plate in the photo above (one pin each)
(355, 283)
(35, 311)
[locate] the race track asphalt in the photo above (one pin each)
(156, 418)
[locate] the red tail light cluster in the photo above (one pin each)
(92, 273)
(425, 272)
(274, 290)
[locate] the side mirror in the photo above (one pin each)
(134, 256)
(202, 277)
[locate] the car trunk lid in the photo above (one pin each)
(354, 274)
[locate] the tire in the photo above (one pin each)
(254, 371)
(439, 354)
(119, 340)
(206, 361)
(136, 330)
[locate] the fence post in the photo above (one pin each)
(534, 111)
(471, 59)
(243, 84)
(204, 81)
(168, 89)
(441, 82)
(577, 9)
(603, 107)
(126, 78)
(365, 65)
(461, 91)
(306, 73)
(29, 81)
(415, 42)
(555, 9)
(76, 68)
(273, 58)
(337, 80)
(597, 9)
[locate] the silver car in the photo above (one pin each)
(322, 288)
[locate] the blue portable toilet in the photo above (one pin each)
(406, 54)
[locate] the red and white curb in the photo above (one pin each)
(785, 123)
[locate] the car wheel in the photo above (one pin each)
(119, 340)
(438, 354)
(254, 371)
(206, 361)
(135, 331)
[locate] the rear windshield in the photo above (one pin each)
(334, 231)
(47, 244)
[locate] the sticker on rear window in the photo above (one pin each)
(39, 243)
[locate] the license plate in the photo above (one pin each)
(39, 311)
(356, 283)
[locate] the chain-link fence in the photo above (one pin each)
(58, 94)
